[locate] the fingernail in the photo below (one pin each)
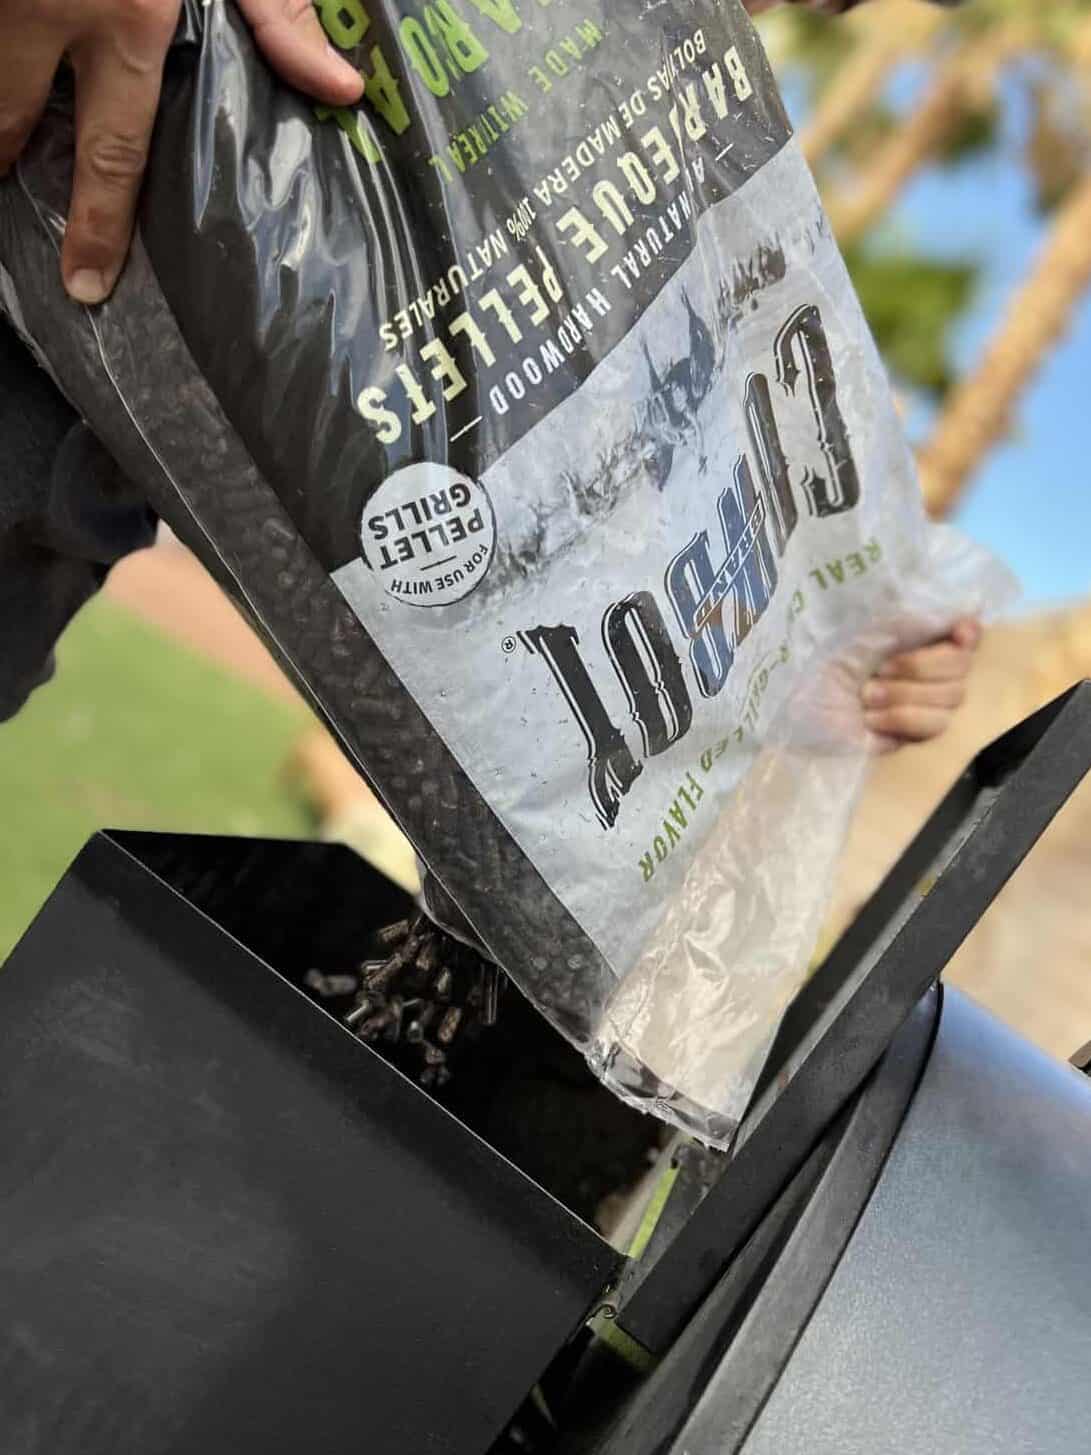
(347, 70)
(967, 633)
(875, 694)
(88, 285)
(888, 669)
(875, 721)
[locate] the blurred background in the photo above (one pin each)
(954, 153)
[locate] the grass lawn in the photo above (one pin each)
(134, 732)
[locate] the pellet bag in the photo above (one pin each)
(528, 412)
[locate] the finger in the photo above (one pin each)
(911, 724)
(967, 634)
(940, 663)
(117, 93)
(900, 693)
(881, 746)
(26, 74)
(291, 38)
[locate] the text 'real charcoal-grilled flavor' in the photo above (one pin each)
(528, 411)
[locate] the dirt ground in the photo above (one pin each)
(1029, 959)
(170, 589)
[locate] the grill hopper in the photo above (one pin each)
(228, 1226)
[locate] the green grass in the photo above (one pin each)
(134, 732)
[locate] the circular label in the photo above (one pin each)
(429, 534)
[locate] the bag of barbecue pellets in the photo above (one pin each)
(528, 412)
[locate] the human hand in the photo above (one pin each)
(117, 49)
(915, 694)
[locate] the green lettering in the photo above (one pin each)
(513, 106)
(382, 92)
(352, 125)
(423, 58)
(458, 40)
(346, 22)
(501, 13)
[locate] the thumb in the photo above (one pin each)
(290, 36)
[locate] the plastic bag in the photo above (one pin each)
(530, 415)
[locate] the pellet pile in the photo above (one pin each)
(421, 1005)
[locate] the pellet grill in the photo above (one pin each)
(227, 1227)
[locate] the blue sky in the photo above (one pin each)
(1032, 502)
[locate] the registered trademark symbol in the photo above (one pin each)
(508, 645)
